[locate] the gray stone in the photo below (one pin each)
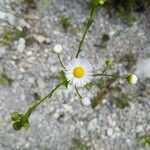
(21, 45)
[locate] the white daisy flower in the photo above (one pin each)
(57, 48)
(79, 72)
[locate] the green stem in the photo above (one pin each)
(104, 70)
(89, 23)
(61, 61)
(78, 94)
(33, 107)
(109, 75)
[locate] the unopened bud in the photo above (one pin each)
(57, 48)
(108, 62)
(15, 116)
(132, 79)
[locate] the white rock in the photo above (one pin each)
(7, 17)
(53, 69)
(32, 16)
(2, 15)
(92, 125)
(2, 50)
(68, 108)
(41, 83)
(104, 101)
(29, 53)
(39, 38)
(139, 128)
(31, 80)
(22, 70)
(23, 23)
(143, 68)
(14, 57)
(109, 132)
(21, 45)
(86, 101)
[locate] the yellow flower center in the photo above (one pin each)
(78, 72)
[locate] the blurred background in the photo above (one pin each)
(119, 116)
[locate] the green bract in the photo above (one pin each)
(63, 79)
(15, 116)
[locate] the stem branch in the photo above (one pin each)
(89, 23)
(33, 107)
(78, 94)
(61, 62)
(109, 75)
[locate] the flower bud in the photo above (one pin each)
(132, 79)
(108, 62)
(86, 101)
(97, 3)
(15, 116)
(101, 2)
(17, 125)
(57, 49)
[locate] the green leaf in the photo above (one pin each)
(8, 79)
(65, 22)
(121, 101)
(2, 81)
(88, 86)
(78, 145)
(63, 79)
(101, 83)
(145, 140)
(117, 89)
(96, 102)
(42, 6)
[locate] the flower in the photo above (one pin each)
(57, 48)
(86, 101)
(102, 2)
(79, 72)
(132, 79)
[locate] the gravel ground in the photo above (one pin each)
(34, 69)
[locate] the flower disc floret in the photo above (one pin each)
(78, 72)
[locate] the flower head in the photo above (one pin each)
(79, 72)
(57, 48)
(101, 2)
(132, 79)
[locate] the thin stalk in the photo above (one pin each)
(109, 75)
(61, 61)
(33, 107)
(79, 95)
(104, 70)
(89, 23)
